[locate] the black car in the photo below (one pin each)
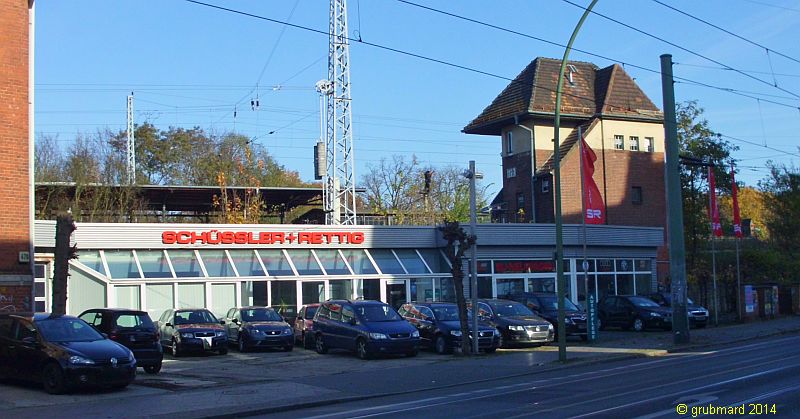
(132, 328)
(635, 312)
(364, 326)
(192, 329)
(439, 327)
(258, 327)
(62, 352)
(546, 306)
(516, 323)
(698, 315)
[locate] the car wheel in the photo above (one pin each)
(308, 341)
(361, 349)
(153, 369)
(412, 353)
(584, 338)
(119, 386)
(53, 379)
(223, 351)
(501, 342)
(638, 324)
(319, 345)
(288, 348)
(242, 346)
(701, 325)
(175, 351)
(440, 345)
(491, 350)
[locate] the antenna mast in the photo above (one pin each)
(131, 144)
(339, 195)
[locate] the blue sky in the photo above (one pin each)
(190, 65)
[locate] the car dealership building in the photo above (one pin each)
(158, 266)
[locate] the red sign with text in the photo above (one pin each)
(213, 237)
(523, 266)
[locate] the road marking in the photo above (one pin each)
(698, 399)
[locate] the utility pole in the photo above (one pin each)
(559, 255)
(677, 253)
(473, 223)
(339, 196)
(131, 144)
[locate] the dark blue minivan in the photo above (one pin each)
(364, 326)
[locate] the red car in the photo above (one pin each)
(304, 322)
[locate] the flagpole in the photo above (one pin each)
(738, 283)
(583, 222)
(712, 192)
(737, 232)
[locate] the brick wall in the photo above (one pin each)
(15, 298)
(14, 176)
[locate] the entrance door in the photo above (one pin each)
(396, 294)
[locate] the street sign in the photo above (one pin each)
(591, 311)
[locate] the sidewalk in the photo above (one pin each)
(376, 378)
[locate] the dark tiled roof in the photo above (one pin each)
(566, 145)
(593, 91)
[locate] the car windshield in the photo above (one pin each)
(446, 313)
(377, 313)
(643, 302)
(197, 316)
(310, 312)
(67, 330)
(134, 321)
(668, 300)
(511, 309)
(260, 315)
(551, 303)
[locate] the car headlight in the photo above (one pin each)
(456, 333)
(550, 326)
(79, 360)
(517, 328)
(220, 334)
(255, 332)
(568, 320)
(377, 336)
(496, 332)
(187, 335)
(287, 331)
(654, 314)
(415, 334)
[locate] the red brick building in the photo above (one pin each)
(620, 123)
(16, 146)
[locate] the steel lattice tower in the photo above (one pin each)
(340, 191)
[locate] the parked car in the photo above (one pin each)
(698, 315)
(364, 326)
(192, 329)
(440, 328)
(258, 327)
(62, 352)
(132, 328)
(304, 325)
(545, 305)
(516, 323)
(633, 312)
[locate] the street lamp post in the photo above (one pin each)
(472, 175)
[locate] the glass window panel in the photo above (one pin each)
(411, 261)
(216, 263)
(284, 297)
(567, 265)
(422, 290)
(39, 306)
(313, 292)
(590, 265)
(159, 299)
(246, 263)
(191, 295)
(185, 263)
(484, 287)
(121, 264)
(38, 269)
(386, 261)
(582, 289)
(542, 285)
(341, 289)
(625, 284)
(84, 292)
(359, 262)
(332, 262)
(507, 286)
(642, 265)
(223, 297)
(447, 289)
(276, 263)
(128, 297)
(435, 260)
(254, 293)
(624, 265)
(38, 289)
(644, 284)
(90, 258)
(304, 262)
(605, 265)
(605, 286)
(368, 289)
(153, 263)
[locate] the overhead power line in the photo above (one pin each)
(648, 34)
(726, 31)
(714, 67)
(759, 145)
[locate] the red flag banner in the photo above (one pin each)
(592, 200)
(737, 221)
(713, 210)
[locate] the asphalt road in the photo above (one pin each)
(758, 379)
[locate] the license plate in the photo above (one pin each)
(206, 342)
(581, 326)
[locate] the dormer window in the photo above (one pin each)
(570, 71)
